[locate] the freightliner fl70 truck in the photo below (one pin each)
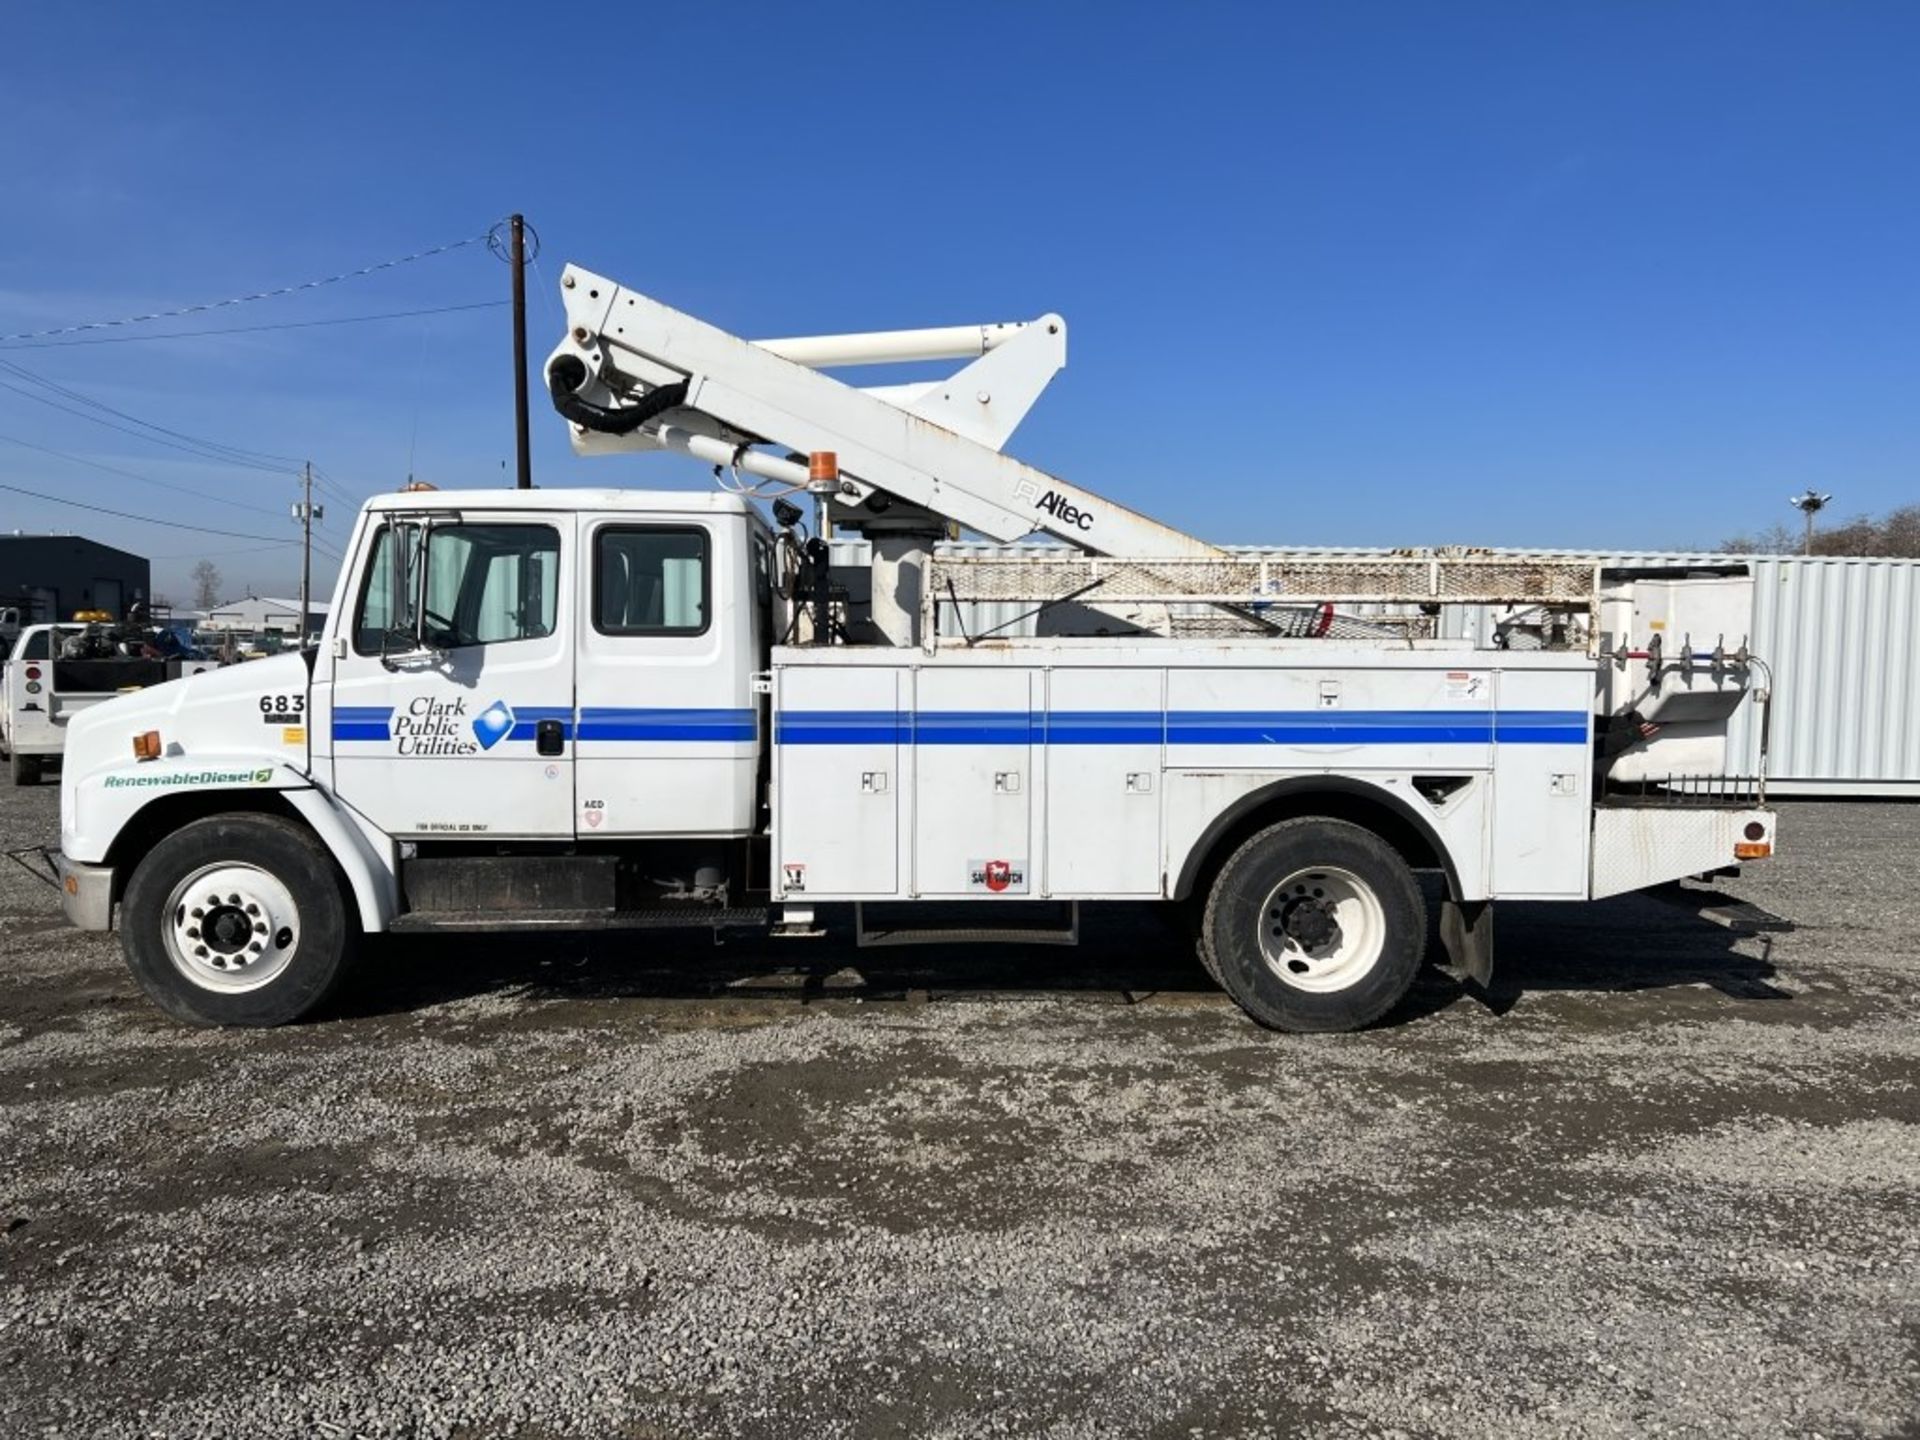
(551, 709)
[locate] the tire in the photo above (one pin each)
(25, 769)
(284, 935)
(1315, 925)
(1193, 923)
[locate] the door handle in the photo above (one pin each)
(549, 738)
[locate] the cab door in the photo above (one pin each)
(470, 734)
(668, 726)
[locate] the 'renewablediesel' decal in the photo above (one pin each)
(167, 779)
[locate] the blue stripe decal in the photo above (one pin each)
(1183, 727)
(1540, 727)
(611, 722)
(1106, 727)
(973, 727)
(842, 727)
(362, 722)
(1327, 727)
(1012, 727)
(527, 718)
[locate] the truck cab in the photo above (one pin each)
(522, 666)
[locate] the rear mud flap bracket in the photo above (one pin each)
(1466, 932)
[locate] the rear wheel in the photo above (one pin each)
(25, 769)
(1315, 924)
(237, 920)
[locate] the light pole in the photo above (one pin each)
(1809, 503)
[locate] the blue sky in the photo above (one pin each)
(1613, 274)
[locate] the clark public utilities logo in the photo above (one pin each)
(441, 727)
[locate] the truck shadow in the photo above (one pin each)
(1127, 954)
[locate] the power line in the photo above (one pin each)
(143, 519)
(231, 300)
(236, 550)
(233, 454)
(211, 456)
(254, 329)
(328, 483)
(133, 475)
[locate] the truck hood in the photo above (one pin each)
(217, 712)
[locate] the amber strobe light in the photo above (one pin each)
(146, 745)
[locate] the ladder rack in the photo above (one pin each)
(1253, 593)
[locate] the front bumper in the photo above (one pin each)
(86, 893)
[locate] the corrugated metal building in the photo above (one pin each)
(1841, 634)
(50, 576)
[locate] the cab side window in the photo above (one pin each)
(651, 580)
(37, 646)
(466, 585)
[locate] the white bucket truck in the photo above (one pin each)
(607, 708)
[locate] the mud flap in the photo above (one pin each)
(1466, 930)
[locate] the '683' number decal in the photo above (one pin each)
(283, 709)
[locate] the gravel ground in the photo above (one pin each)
(1668, 1183)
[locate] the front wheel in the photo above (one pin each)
(237, 920)
(1315, 924)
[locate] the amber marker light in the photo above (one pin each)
(146, 745)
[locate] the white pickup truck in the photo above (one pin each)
(41, 690)
(600, 709)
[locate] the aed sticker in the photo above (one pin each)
(998, 877)
(1464, 684)
(294, 735)
(593, 814)
(793, 877)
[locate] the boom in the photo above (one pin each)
(634, 374)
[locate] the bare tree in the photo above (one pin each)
(1897, 533)
(206, 585)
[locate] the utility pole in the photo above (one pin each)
(306, 512)
(524, 480)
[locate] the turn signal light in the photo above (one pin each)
(33, 672)
(146, 745)
(1752, 849)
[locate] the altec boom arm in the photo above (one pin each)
(633, 374)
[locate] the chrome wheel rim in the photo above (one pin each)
(231, 928)
(1322, 929)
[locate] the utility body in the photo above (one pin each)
(42, 687)
(630, 709)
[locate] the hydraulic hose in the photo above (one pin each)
(569, 372)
